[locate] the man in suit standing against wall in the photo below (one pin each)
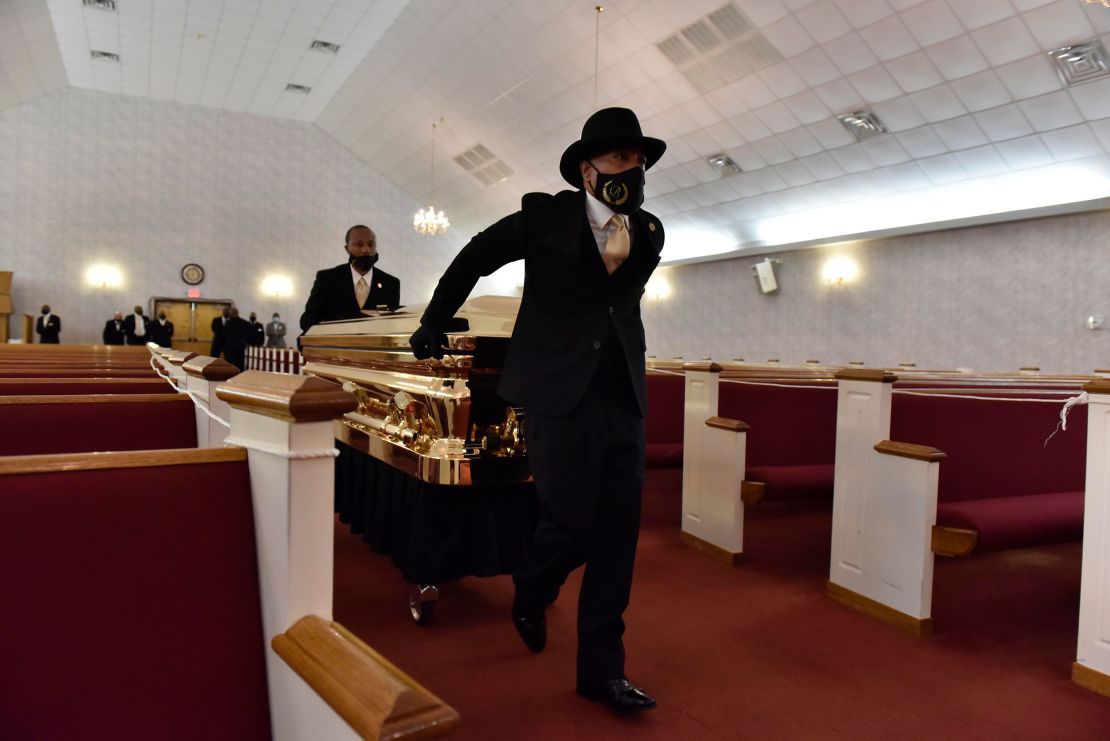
(218, 324)
(576, 364)
(48, 326)
(344, 291)
(275, 332)
(236, 337)
(161, 331)
(257, 333)
(137, 327)
(113, 330)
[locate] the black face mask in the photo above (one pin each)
(162, 317)
(623, 191)
(45, 312)
(364, 262)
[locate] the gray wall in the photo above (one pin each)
(150, 186)
(990, 298)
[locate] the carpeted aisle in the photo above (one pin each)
(756, 652)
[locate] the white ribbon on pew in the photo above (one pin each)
(231, 441)
(1063, 423)
(197, 401)
(983, 398)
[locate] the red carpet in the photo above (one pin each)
(756, 652)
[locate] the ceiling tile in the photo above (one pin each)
(777, 117)
(1029, 151)
(763, 12)
(853, 159)
(958, 57)
(862, 13)
(830, 133)
(782, 80)
(1093, 98)
(800, 142)
(1006, 41)
(788, 36)
(1052, 111)
(770, 181)
(772, 150)
(1072, 143)
(815, 67)
(932, 22)
(907, 176)
(750, 127)
(823, 21)
(754, 93)
(889, 39)
(875, 84)
(794, 173)
(1099, 17)
(1004, 122)
(981, 91)
(938, 103)
(898, 114)
(914, 72)
(960, 133)
(748, 158)
(944, 168)
(1102, 131)
(850, 54)
(1024, 5)
(823, 167)
(885, 150)
(1029, 77)
(978, 13)
(807, 107)
(840, 97)
(982, 161)
(1059, 23)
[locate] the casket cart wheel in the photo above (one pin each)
(422, 602)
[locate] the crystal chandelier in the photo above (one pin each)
(428, 220)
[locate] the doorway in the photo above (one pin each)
(192, 321)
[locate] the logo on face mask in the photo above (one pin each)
(614, 194)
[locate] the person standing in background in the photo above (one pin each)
(236, 334)
(136, 327)
(275, 332)
(218, 324)
(258, 332)
(113, 330)
(48, 326)
(161, 331)
(342, 292)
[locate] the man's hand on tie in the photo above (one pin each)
(427, 343)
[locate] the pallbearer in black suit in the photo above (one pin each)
(258, 332)
(218, 324)
(136, 327)
(235, 337)
(576, 364)
(48, 326)
(344, 291)
(113, 330)
(161, 331)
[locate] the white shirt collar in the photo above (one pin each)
(355, 275)
(600, 213)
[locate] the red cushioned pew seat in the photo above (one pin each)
(131, 605)
(663, 426)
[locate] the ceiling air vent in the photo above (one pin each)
(325, 46)
(106, 56)
(722, 164)
(298, 88)
(862, 124)
(484, 165)
(1081, 62)
(100, 4)
(719, 48)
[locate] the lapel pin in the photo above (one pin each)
(651, 225)
(379, 285)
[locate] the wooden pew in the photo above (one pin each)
(663, 423)
(892, 494)
(156, 574)
(83, 386)
(35, 424)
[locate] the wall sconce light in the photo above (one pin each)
(658, 287)
(1094, 321)
(277, 286)
(104, 276)
(840, 270)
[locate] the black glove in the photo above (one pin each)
(427, 343)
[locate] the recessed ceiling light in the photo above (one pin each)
(862, 124)
(1081, 62)
(327, 46)
(100, 4)
(723, 164)
(298, 88)
(106, 56)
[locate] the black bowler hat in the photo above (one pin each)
(606, 130)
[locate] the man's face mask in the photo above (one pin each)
(364, 262)
(623, 191)
(162, 316)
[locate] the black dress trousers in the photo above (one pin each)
(588, 467)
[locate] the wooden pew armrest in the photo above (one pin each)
(752, 492)
(954, 541)
(373, 696)
(724, 423)
(909, 450)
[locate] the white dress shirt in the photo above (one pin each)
(599, 215)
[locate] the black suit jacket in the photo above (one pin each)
(163, 335)
(113, 332)
(236, 334)
(333, 295)
(570, 307)
(48, 333)
(129, 329)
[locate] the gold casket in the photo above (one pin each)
(439, 421)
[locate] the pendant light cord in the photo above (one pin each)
(598, 10)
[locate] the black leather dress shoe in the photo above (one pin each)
(619, 695)
(532, 630)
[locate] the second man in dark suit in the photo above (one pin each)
(344, 291)
(136, 327)
(236, 336)
(113, 330)
(161, 331)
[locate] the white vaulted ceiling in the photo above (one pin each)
(979, 121)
